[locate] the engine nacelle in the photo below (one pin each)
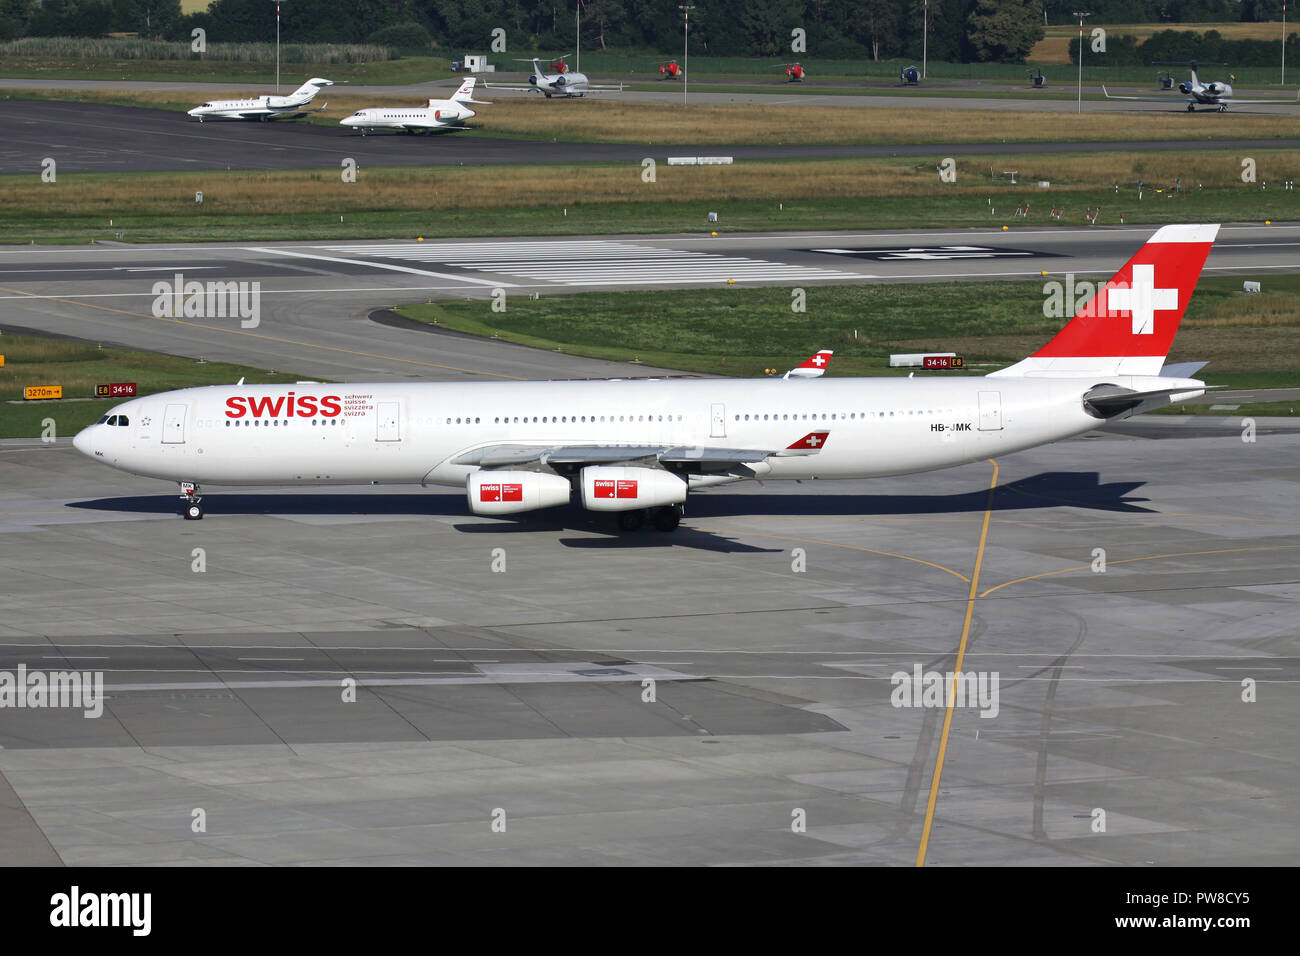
(509, 492)
(1184, 88)
(623, 488)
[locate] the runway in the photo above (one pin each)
(524, 691)
(83, 137)
(316, 297)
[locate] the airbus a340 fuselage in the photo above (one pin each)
(632, 445)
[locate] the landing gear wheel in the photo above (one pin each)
(667, 519)
(1223, 109)
(631, 520)
(193, 510)
(1191, 107)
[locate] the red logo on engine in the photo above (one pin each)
(489, 492)
(512, 492)
(603, 488)
(626, 489)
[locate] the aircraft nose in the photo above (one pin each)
(82, 441)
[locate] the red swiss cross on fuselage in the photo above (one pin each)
(813, 441)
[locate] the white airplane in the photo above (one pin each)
(638, 447)
(1197, 94)
(564, 83)
(265, 107)
(438, 114)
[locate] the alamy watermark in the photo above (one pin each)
(38, 689)
(976, 689)
(208, 300)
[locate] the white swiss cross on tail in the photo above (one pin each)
(1150, 292)
(1142, 299)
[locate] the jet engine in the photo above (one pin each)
(626, 488)
(509, 492)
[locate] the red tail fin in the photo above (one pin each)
(1129, 325)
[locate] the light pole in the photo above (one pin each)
(1081, 14)
(925, 35)
(277, 44)
(577, 35)
(1284, 42)
(686, 46)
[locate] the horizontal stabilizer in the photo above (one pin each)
(1182, 369)
(1107, 401)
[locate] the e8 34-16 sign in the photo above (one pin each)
(943, 361)
(115, 390)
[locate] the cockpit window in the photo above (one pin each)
(102, 419)
(123, 420)
(111, 421)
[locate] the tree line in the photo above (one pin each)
(1182, 46)
(956, 31)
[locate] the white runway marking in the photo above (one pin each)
(376, 265)
(589, 262)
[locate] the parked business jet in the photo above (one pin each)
(561, 83)
(638, 447)
(1214, 94)
(438, 114)
(265, 107)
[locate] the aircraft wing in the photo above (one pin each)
(1226, 101)
(1232, 101)
(689, 459)
(604, 89)
(1155, 99)
(525, 87)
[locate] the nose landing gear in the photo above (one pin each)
(193, 509)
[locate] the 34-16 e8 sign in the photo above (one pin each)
(116, 390)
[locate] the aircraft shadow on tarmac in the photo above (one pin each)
(1077, 489)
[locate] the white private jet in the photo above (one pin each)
(1214, 94)
(265, 107)
(563, 83)
(637, 448)
(438, 114)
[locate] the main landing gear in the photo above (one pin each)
(193, 510)
(663, 519)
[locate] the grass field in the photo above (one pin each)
(128, 59)
(1250, 341)
(80, 366)
(1055, 46)
(533, 200)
